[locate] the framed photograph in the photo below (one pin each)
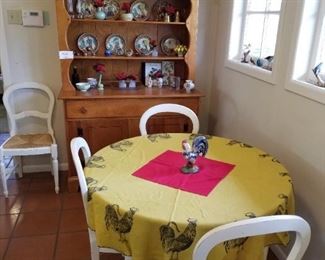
(150, 69)
(167, 69)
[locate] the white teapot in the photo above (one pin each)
(188, 85)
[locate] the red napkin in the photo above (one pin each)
(165, 170)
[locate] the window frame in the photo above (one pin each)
(235, 41)
(299, 66)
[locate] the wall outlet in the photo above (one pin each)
(14, 17)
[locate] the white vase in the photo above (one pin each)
(132, 84)
(188, 85)
(160, 82)
(121, 84)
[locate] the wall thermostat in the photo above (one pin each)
(33, 18)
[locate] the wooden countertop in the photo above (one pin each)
(140, 92)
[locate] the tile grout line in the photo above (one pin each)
(58, 229)
(18, 215)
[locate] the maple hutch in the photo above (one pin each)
(104, 117)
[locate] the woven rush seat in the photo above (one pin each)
(28, 141)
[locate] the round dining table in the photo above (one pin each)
(141, 204)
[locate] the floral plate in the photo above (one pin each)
(116, 44)
(111, 9)
(168, 44)
(88, 42)
(140, 10)
(158, 9)
(85, 9)
(142, 45)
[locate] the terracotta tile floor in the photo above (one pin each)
(37, 224)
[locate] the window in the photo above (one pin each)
(253, 38)
(309, 51)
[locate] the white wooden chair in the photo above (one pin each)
(77, 144)
(254, 227)
(29, 106)
(170, 108)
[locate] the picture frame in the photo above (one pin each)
(167, 69)
(149, 68)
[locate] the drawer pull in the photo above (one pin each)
(83, 110)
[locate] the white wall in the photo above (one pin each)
(32, 56)
(288, 126)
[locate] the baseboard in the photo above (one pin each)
(279, 252)
(43, 167)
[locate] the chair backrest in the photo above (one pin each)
(170, 108)
(254, 227)
(77, 144)
(29, 100)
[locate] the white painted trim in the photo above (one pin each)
(4, 60)
(278, 251)
(307, 90)
(251, 70)
(43, 167)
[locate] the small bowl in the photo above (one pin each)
(83, 86)
(126, 16)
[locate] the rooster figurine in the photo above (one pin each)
(199, 148)
(317, 71)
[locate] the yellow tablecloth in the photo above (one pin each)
(152, 222)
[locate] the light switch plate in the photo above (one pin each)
(14, 17)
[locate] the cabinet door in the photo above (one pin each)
(102, 132)
(169, 124)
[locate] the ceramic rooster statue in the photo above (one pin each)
(199, 148)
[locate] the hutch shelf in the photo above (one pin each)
(105, 117)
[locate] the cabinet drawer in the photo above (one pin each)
(120, 108)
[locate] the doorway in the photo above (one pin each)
(4, 78)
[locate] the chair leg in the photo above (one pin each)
(55, 167)
(3, 176)
(18, 162)
(93, 246)
(55, 173)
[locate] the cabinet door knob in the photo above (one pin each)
(83, 110)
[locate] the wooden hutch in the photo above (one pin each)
(104, 117)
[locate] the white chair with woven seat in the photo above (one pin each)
(29, 106)
(168, 108)
(254, 227)
(77, 144)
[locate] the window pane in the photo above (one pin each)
(321, 48)
(270, 35)
(260, 33)
(263, 5)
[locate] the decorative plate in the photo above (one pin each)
(142, 45)
(85, 9)
(140, 10)
(116, 44)
(112, 9)
(168, 44)
(87, 42)
(158, 9)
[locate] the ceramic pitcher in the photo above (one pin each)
(189, 85)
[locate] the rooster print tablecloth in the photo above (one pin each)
(150, 221)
